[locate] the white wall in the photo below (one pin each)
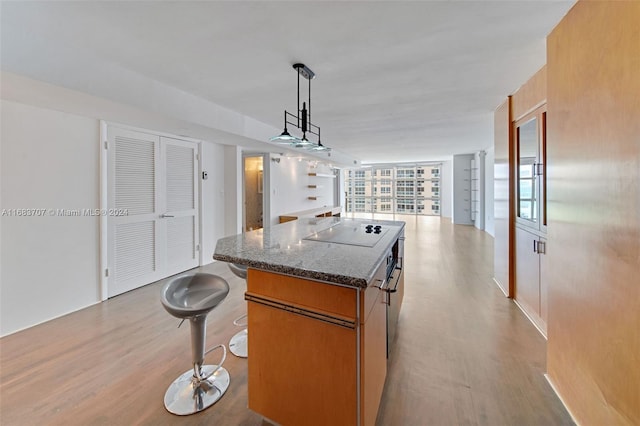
(488, 191)
(289, 179)
(446, 183)
(50, 263)
(49, 266)
(213, 199)
(232, 190)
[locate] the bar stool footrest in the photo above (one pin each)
(238, 321)
(238, 344)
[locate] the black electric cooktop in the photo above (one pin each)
(363, 235)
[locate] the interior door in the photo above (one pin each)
(152, 215)
(181, 206)
(134, 243)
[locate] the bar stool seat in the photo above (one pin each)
(192, 297)
(239, 342)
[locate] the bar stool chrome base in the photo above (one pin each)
(238, 344)
(186, 395)
(192, 297)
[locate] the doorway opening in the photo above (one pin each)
(253, 192)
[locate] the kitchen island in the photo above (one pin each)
(323, 299)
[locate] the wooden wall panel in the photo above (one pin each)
(593, 60)
(531, 95)
(503, 201)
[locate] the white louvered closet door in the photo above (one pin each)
(134, 239)
(181, 183)
(154, 180)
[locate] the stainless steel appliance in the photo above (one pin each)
(394, 289)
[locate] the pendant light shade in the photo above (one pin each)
(284, 138)
(301, 120)
(320, 147)
(303, 143)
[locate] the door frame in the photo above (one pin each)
(103, 195)
(266, 179)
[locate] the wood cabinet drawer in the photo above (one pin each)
(311, 294)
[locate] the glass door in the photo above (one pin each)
(530, 170)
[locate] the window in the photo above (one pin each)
(530, 139)
(406, 189)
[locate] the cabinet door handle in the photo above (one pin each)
(164, 216)
(382, 283)
(535, 246)
(542, 247)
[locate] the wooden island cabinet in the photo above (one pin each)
(305, 341)
(318, 340)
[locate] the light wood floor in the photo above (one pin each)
(464, 355)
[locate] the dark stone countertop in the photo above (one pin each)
(286, 249)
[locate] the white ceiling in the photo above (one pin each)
(395, 81)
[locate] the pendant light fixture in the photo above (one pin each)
(301, 120)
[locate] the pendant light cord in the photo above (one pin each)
(309, 100)
(298, 106)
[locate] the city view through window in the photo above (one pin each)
(394, 189)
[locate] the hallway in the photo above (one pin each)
(464, 355)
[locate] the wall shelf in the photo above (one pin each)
(322, 175)
(317, 212)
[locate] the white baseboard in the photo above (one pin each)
(530, 319)
(500, 287)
